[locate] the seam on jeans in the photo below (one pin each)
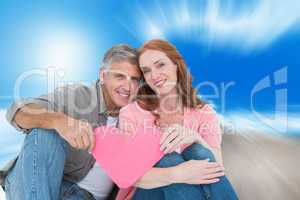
(35, 137)
(34, 177)
(206, 191)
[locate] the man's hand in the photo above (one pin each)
(79, 134)
(198, 172)
(175, 136)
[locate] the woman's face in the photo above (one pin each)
(159, 71)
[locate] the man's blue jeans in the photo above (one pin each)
(221, 190)
(38, 173)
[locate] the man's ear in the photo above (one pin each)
(101, 75)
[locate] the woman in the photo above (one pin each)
(191, 129)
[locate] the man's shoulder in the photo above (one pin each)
(80, 96)
(79, 87)
(79, 90)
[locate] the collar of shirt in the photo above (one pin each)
(100, 98)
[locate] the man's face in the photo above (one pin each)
(121, 82)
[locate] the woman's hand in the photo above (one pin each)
(175, 136)
(198, 172)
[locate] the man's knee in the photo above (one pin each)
(197, 152)
(41, 161)
(45, 136)
(170, 160)
(44, 141)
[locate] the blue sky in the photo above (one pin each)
(225, 43)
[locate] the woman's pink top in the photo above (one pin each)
(203, 120)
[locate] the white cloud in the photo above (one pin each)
(247, 122)
(2, 195)
(11, 140)
(254, 26)
(268, 20)
(6, 129)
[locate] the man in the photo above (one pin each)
(54, 162)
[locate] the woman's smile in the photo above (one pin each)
(159, 83)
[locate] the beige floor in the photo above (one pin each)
(262, 167)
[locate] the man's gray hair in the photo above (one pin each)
(120, 53)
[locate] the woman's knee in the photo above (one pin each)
(197, 152)
(170, 160)
(149, 194)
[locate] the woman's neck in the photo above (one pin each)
(170, 103)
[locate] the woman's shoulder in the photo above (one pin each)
(202, 108)
(203, 111)
(135, 114)
(128, 108)
(133, 108)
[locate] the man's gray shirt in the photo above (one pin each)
(79, 102)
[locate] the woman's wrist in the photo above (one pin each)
(174, 175)
(198, 139)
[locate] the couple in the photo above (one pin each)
(150, 84)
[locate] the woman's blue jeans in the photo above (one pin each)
(221, 190)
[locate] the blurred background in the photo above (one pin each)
(243, 55)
